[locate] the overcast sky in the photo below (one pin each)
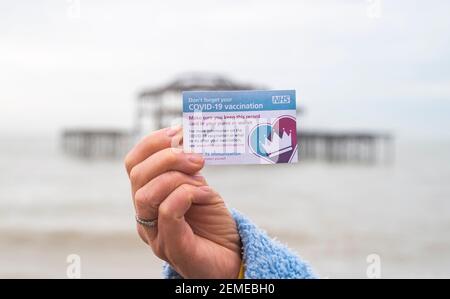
(353, 63)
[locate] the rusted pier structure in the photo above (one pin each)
(362, 147)
(161, 107)
(96, 143)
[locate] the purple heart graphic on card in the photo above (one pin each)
(275, 142)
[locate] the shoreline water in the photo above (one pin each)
(334, 215)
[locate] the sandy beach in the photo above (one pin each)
(123, 255)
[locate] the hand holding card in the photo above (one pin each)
(194, 232)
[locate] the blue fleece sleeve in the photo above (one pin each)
(263, 257)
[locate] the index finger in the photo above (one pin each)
(155, 142)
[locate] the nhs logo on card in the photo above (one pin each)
(286, 99)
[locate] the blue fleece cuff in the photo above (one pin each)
(263, 256)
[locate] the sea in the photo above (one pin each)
(337, 215)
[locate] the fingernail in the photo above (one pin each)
(195, 158)
(205, 188)
(172, 131)
(198, 177)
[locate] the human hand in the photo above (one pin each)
(195, 232)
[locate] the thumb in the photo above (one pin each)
(174, 232)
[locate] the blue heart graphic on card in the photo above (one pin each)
(275, 142)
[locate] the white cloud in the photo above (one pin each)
(88, 70)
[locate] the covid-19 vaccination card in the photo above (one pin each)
(241, 127)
